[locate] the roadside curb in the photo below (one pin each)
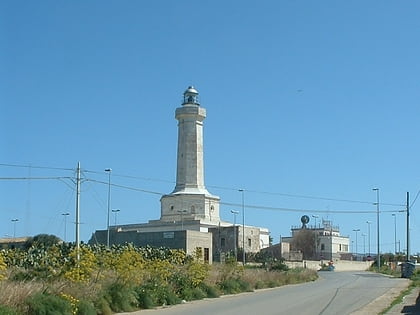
(409, 305)
(384, 300)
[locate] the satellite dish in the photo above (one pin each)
(305, 220)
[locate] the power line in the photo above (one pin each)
(303, 210)
(34, 166)
(127, 187)
(34, 178)
(415, 198)
(210, 186)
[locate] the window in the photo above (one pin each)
(192, 209)
(206, 255)
(222, 242)
(249, 242)
(322, 246)
(172, 208)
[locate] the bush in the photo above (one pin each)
(190, 294)
(279, 266)
(234, 285)
(48, 304)
(121, 298)
(102, 306)
(85, 308)
(210, 291)
(5, 310)
(151, 294)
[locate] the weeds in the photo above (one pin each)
(122, 279)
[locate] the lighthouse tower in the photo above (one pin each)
(190, 199)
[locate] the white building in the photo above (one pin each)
(328, 243)
(190, 207)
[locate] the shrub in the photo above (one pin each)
(102, 306)
(234, 285)
(190, 294)
(121, 298)
(210, 291)
(5, 310)
(48, 304)
(153, 294)
(85, 308)
(3, 267)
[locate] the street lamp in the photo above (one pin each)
(377, 228)
(109, 171)
(234, 233)
(356, 230)
(115, 211)
(368, 223)
(315, 217)
(65, 225)
(364, 243)
(243, 227)
(14, 227)
(395, 232)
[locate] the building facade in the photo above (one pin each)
(327, 244)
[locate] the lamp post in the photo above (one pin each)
(14, 227)
(65, 225)
(243, 228)
(234, 233)
(115, 211)
(356, 230)
(395, 232)
(368, 223)
(315, 217)
(377, 228)
(109, 171)
(364, 243)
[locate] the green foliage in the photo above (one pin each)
(234, 285)
(210, 291)
(85, 308)
(48, 304)
(278, 266)
(150, 295)
(42, 241)
(5, 310)
(121, 298)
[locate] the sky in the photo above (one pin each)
(310, 105)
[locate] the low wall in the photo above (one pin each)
(340, 265)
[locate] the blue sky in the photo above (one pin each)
(309, 104)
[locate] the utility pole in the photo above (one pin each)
(408, 226)
(78, 211)
(243, 228)
(377, 228)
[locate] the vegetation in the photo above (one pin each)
(48, 277)
(305, 241)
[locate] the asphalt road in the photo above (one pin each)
(334, 293)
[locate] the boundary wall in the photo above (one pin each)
(339, 265)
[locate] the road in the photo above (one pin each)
(334, 293)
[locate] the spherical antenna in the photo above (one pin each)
(305, 220)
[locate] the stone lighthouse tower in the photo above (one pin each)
(190, 199)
